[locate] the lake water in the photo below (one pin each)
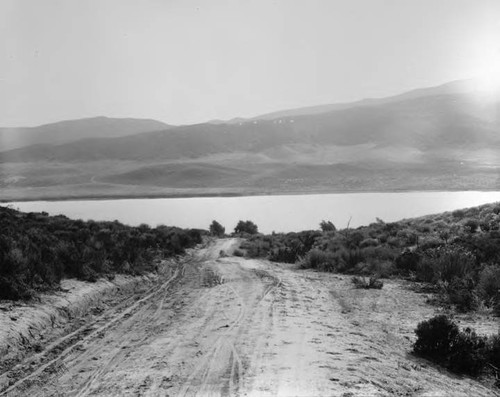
(271, 213)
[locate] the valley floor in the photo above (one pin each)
(225, 325)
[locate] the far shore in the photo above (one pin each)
(94, 197)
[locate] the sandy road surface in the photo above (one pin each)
(227, 326)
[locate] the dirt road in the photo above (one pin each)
(227, 326)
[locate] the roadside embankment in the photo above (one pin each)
(26, 326)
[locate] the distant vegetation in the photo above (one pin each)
(458, 253)
(216, 229)
(246, 227)
(37, 250)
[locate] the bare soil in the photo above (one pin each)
(229, 326)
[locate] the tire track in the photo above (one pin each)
(206, 366)
(139, 318)
(224, 348)
(89, 336)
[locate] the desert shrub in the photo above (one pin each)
(430, 242)
(440, 340)
(393, 242)
(216, 229)
(369, 242)
(485, 226)
(347, 259)
(424, 228)
(472, 212)
(382, 268)
(453, 262)
(382, 253)
(327, 226)
(407, 261)
(247, 227)
(407, 237)
(14, 289)
(37, 250)
(489, 284)
(461, 293)
(258, 249)
(372, 282)
(292, 247)
(383, 237)
(468, 353)
(445, 264)
(496, 307)
(435, 338)
(444, 235)
(471, 225)
(352, 239)
(320, 260)
(494, 350)
(425, 270)
(238, 252)
(485, 246)
(284, 254)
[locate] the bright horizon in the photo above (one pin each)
(186, 62)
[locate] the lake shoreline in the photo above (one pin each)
(278, 213)
(227, 195)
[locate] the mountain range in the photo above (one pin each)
(444, 137)
(74, 130)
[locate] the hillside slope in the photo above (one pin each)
(431, 124)
(428, 139)
(74, 130)
(454, 87)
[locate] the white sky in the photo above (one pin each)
(187, 61)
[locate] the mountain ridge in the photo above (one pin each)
(429, 139)
(425, 123)
(66, 131)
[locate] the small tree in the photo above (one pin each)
(246, 227)
(327, 226)
(216, 229)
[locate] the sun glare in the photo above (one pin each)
(487, 78)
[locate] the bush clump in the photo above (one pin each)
(38, 250)
(440, 340)
(489, 284)
(216, 229)
(319, 260)
(445, 263)
(435, 337)
(372, 282)
(246, 227)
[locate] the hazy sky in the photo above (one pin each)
(183, 61)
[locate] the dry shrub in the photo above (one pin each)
(372, 282)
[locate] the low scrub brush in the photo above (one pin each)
(371, 283)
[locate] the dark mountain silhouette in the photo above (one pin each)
(73, 130)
